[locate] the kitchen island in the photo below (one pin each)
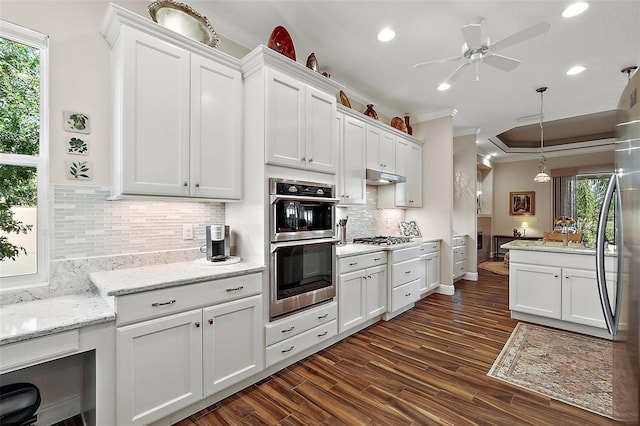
(556, 286)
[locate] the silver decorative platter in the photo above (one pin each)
(182, 19)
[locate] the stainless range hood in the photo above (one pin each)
(377, 177)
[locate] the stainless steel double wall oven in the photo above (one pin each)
(303, 245)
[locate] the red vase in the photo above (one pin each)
(371, 112)
(406, 121)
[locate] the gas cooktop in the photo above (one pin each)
(382, 240)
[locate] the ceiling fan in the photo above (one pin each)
(474, 50)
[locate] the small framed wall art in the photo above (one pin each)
(79, 170)
(77, 122)
(522, 203)
(77, 146)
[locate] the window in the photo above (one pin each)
(580, 196)
(23, 157)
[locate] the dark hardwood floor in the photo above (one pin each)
(425, 367)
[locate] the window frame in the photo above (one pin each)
(38, 41)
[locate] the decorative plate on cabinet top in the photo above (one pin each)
(398, 123)
(312, 63)
(281, 42)
(344, 100)
(182, 19)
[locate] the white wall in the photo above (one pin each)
(465, 172)
(518, 176)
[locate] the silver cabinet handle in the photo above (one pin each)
(369, 276)
(170, 302)
(407, 272)
(287, 350)
(323, 334)
(235, 289)
(289, 329)
(377, 259)
(323, 316)
(353, 264)
(211, 321)
(407, 295)
(197, 325)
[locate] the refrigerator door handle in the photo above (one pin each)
(619, 255)
(600, 247)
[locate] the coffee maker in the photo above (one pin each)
(218, 244)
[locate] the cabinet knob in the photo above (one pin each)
(407, 295)
(197, 324)
(346, 196)
(555, 276)
(197, 185)
(303, 159)
(185, 184)
(211, 321)
(407, 272)
(377, 259)
(369, 276)
(311, 160)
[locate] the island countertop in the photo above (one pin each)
(552, 247)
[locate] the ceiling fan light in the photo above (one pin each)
(575, 70)
(575, 9)
(444, 86)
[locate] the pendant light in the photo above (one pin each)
(542, 175)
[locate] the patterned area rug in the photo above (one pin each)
(568, 367)
(497, 267)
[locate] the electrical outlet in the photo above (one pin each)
(187, 231)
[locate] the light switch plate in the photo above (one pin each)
(187, 231)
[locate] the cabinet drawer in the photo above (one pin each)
(156, 303)
(429, 247)
(459, 268)
(405, 295)
(404, 272)
(41, 349)
(401, 255)
(363, 261)
(294, 345)
(458, 241)
(285, 328)
(459, 253)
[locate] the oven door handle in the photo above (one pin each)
(277, 246)
(277, 198)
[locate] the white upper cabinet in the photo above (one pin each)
(177, 112)
(352, 187)
(301, 125)
(381, 153)
(408, 164)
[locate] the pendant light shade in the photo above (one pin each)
(542, 175)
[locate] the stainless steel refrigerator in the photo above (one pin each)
(621, 210)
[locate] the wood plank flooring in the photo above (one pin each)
(425, 367)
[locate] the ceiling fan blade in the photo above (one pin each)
(526, 34)
(455, 74)
(438, 61)
(472, 34)
(501, 62)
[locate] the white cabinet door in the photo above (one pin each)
(285, 122)
(374, 141)
(158, 367)
(388, 152)
(354, 190)
(414, 176)
(376, 291)
(402, 167)
(320, 135)
(216, 130)
(351, 300)
(581, 299)
(233, 343)
(535, 289)
(154, 116)
(431, 278)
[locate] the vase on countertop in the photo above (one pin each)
(406, 121)
(371, 112)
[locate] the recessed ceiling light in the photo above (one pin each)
(444, 86)
(575, 9)
(386, 34)
(575, 70)
(493, 154)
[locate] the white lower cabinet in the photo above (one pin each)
(166, 363)
(459, 246)
(535, 289)
(430, 256)
(580, 297)
(362, 289)
(405, 277)
(295, 333)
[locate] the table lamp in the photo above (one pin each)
(525, 225)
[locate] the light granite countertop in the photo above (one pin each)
(145, 278)
(552, 247)
(28, 320)
(351, 249)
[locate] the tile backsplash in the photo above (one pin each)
(85, 223)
